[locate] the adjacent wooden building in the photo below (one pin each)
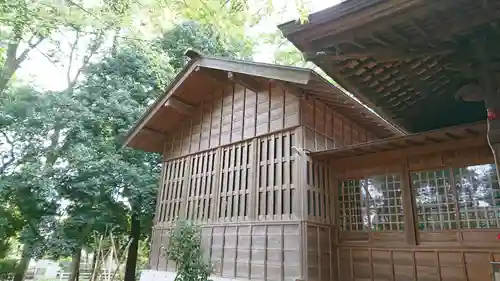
(423, 206)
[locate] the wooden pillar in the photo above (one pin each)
(409, 209)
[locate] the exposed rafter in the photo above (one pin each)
(380, 54)
(246, 82)
(179, 105)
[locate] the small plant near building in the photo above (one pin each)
(185, 250)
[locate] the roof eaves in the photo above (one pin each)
(385, 121)
(291, 74)
(332, 13)
(160, 101)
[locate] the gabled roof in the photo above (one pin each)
(204, 74)
(406, 59)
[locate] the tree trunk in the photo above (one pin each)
(135, 233)
(94, 264)
(22, 267)
(75, 265)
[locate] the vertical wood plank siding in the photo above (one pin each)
(257, 251)
(233, 114)
(326, 129)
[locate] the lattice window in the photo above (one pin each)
(276, 176)
(235, 182)
(352, 206)
(436, 208)
(319, 194)
(385, 203)
(373, 203)
(478, 196)
(200, 191)
(171, 195)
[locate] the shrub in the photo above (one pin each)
(185, 250)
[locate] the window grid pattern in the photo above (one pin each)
(436, 208)
(385, 202)
(276, 177)
(373, 203)
(478, 196)
(352, 207)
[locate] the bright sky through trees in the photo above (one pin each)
(44, 74)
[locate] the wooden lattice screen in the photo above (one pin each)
(319, 192)
(373, 203)
(235, 182)
(243, 181)
(200, 190)
(276, 176)
(466, 197)
(170, 198)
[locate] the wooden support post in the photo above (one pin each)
(409, 210)
(216, 188)
(185, 188)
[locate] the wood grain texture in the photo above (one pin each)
(324, 128)
(233, 114)
(257, 251)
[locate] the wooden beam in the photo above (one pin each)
(154, 131)
(380, 54)
(440, 33)
(412, 151)
(409, 210)
(245, 81)
(270, 71)
(370, 15)
(179, 105)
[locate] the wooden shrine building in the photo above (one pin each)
(235, 137)
(425, 206)
(291, 178)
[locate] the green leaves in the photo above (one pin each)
(184, 248)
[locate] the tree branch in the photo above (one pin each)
(12, 61)
(12, 158)
(94, 47)
(48, 58)
(74, 46)
(25, 53)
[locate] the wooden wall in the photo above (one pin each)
(412, 263)
(326, 129)
(257, 251)
(321, 255)
(253, 180)
(409, 253)
(233, 114)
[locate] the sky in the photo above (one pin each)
(45, 75)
